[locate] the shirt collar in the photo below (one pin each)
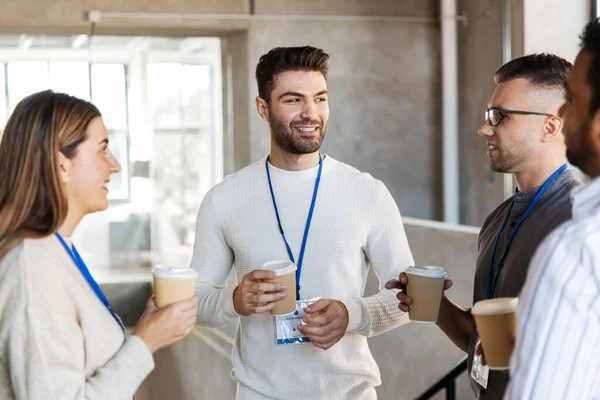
(521, 200)
(586, 198)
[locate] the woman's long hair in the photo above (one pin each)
(33, 203)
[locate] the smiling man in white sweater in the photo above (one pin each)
(333, 221)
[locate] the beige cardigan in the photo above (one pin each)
(57, 340)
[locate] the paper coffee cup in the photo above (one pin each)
(286, 273)
(496, 323)
(425, 286)
(173, 284)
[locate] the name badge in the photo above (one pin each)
(286, 331)
(479, 372)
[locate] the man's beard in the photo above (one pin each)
(296, 144)
(507, 162)
(580, 156)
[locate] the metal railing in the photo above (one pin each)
(447, 382)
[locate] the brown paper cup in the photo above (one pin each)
(172, 285)
(286, 273)
(496, 323)
(425, 286)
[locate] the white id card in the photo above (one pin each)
(479, 372)
(286, 331)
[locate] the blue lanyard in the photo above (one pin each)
(308, 221)
(536, 199)
(72, 251)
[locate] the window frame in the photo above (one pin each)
(129, 57)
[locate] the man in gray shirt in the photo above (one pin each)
(524, 137)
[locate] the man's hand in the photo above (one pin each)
(326, 323)
(479, 352)
(254, 296)
(400, 283)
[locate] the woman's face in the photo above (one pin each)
(87, 174)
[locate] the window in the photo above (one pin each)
(181, 109)
(102, 83)
(161, 102)
(109, 94)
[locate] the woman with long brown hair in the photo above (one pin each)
(59, 338)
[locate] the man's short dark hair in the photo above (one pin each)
(282, 59)
(590, 42)
(542, 70)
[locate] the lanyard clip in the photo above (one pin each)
(298, 292)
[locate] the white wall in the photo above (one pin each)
(554, 26)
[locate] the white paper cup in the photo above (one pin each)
(172, 285)
(286, 274)
(426, 288)
(496, 323)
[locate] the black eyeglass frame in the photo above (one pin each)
(505, 111)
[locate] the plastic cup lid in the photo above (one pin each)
(502, 305)
(281, 267)
(427, 271)
(174, 273)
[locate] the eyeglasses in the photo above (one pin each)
(494, 115)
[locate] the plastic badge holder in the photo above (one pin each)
(286, 331)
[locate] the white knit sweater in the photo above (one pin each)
(356, 224)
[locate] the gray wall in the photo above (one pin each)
(480, 54)
(384, 100)
(385, 81)
(384, 86)
(385, 97)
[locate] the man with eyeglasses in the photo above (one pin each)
(523, 134)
